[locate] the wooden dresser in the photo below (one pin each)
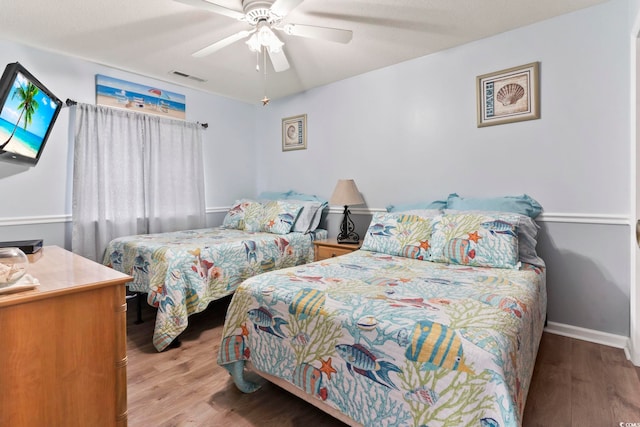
(63, 353)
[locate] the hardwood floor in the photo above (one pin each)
(575, 383)
(578, 383)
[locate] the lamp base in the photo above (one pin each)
(347, 233)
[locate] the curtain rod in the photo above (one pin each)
(71, 102)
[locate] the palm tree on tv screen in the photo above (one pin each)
(28, 105)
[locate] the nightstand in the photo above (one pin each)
(331, 248)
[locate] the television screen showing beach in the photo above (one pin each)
(25, 118)
(118, 93)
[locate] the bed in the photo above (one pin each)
(435, 321)
(182, 272)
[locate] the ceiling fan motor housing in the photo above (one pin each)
(259, 10)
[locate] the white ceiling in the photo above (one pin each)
(156, 37)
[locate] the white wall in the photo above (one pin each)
(415, 123)
(634, 110)
(36, 201)
(408, 133)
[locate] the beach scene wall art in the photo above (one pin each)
(130, 96)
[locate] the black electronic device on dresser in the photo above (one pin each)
(26, 246)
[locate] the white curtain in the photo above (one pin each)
(133, 174)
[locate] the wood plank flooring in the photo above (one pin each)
(575, 383)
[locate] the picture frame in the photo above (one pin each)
(294, 133)
(508, 96)
(139, 98)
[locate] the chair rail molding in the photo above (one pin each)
(31, 220)
(577, 218)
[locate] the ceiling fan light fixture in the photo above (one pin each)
(275, 47)
(268, 39)
(264, 36)
(253, 43)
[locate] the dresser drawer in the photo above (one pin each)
(324, 252)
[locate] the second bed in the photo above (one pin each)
(384, 337)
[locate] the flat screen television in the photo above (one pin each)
(28, 111)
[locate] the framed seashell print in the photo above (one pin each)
(508, 96)
(294, 133)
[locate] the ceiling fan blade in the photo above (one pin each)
(283, 7)
(212, 7)
(323, 33)
(221, 43)
(279, 60)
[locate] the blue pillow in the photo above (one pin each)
(436, 204)
(274, 195)
(522, 204)
(306, 197)
(291, 194)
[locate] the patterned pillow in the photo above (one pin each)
(235, 216)
(276, 216)
(253, 215)
(477, 239)
(401, 234)
(527, 234)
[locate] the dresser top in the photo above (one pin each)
(60, 271)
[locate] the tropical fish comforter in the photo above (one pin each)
(182, 272)
(394, 341)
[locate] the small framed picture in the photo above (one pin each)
(294, 133)
(508, 96)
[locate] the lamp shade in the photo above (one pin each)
(346, 193)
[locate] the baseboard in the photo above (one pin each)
(634, 357)
(604, 338)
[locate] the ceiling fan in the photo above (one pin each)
(265, 16)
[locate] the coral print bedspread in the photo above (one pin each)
(182, 272)
(394, 341)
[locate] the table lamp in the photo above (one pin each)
(346, 193)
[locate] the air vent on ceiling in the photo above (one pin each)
(187, 76)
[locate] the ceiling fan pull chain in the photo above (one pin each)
(266, 99)
(264, 67)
